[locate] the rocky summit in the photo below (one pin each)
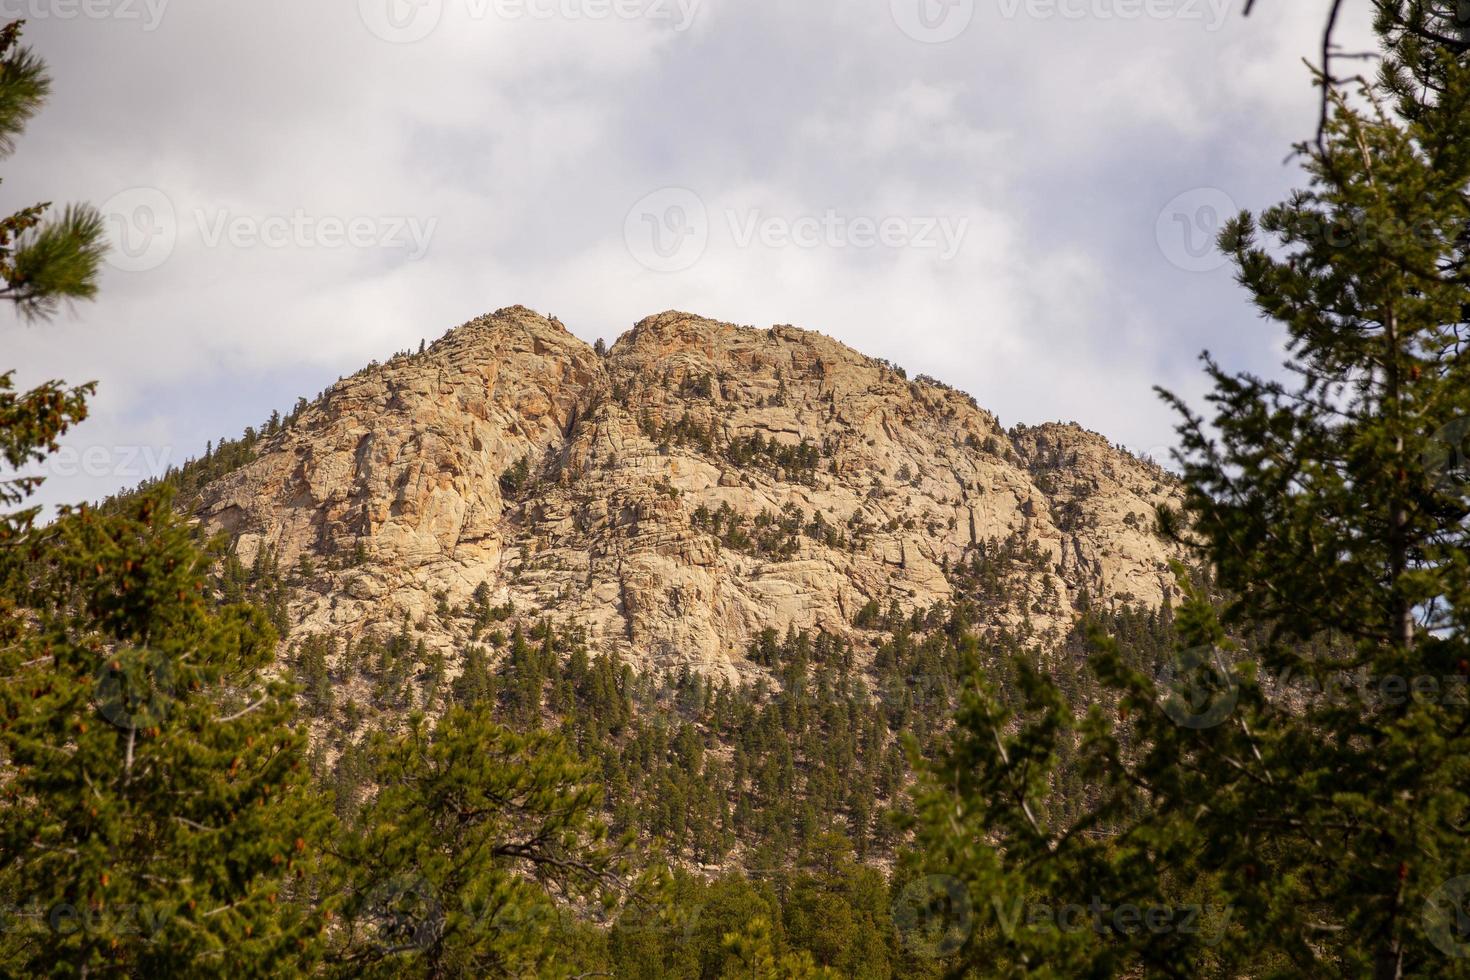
(677, 494)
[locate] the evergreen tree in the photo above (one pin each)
(756, 956)
(151, 812)
(476, 852)
(42, 264)
(154, 815)
(1303, 762)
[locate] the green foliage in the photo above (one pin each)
(155, 814)
(30, 424)
(798, 461)
(42, 263)
(754, 953)
(459, 836)
(458, 863)
(53, 262)
(1196, 799)
(516, 478)
(828, 920)
(795, 463)
(774, 535)
(989, 822)
(40, 266)
(220, 458)
(698, 386)
(1299, 764)
(24, 86)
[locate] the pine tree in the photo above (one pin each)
(154, 816)
(1303, 762)
(473, 855)
(756, 955)
(42, 264)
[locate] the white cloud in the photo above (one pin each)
(525, 141)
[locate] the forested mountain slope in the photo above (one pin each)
(674, 496)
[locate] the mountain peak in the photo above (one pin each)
(494, 329)
(701, 483)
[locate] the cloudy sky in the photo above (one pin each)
(1014, 196)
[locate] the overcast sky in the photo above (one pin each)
(1013, 196)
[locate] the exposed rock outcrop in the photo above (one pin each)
(662, 485)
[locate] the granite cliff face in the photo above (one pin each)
(697, 483)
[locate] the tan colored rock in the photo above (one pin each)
(402, 463)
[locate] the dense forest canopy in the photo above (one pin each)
(1266, 778)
